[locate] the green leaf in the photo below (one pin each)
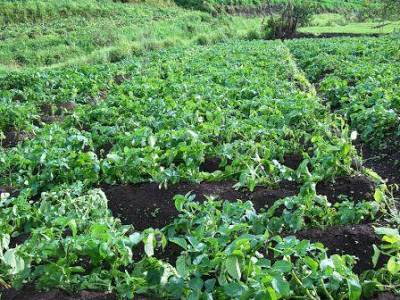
(232, 266)
(179, 241)
(233, 289)
(252, 184)
(194, 295)
(271, 294)
(135, 238)
(379, 196)
(283, 266)
(196, 284)
(181, 266)
(369, 288)
(72, 226)
(376, 255)
(354, 288)
(393, 265)
(193, 134)
(175, 286)
(209, 284)
(386, 231)
(14, 261)
(281, 286)
(152, 141)
(179, 201)
(311, 263)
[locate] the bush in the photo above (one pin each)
(203, 40)
(253, 35)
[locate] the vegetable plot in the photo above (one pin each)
(360, 79)
(124, 179)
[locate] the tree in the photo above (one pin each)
(380, 9)
(283, 24)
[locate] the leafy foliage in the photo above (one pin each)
(159, 118)
(359, 79)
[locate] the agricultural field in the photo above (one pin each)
(151, 151)
(205, 172)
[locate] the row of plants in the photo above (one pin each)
(168, 113)
(359, 79)
(227, 251)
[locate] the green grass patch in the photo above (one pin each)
(356, 28)
(75, 40)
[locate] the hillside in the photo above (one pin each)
(100, 31)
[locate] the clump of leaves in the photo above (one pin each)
(228, 253)
(386, 278)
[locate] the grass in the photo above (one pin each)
(110, 33)
(356, 28)
(328, 19)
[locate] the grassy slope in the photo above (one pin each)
(97, 32)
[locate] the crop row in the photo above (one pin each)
(165, 115)
(360, 79)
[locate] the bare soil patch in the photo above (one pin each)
(58, 107)
(29, 293)
(146, 205)
(54, 112)
(10, 190)
(385, 162)
(13, 137)
(386, 296)
(357, 188)
(121, 78)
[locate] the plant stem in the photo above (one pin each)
(296, 278)
(326, 291)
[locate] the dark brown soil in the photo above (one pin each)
(19, 239)
(121, 78)
(103, 150)
(47, 108)
(7, 189)
(386, 296)
(13, 137)
(349, 239)
(357, 188)
(385, 162)
(29, 293)
(146, 205)
(51, 119)
(211, 165)
(293, 161)
(48, 116)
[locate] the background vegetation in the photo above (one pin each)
(50, 33)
